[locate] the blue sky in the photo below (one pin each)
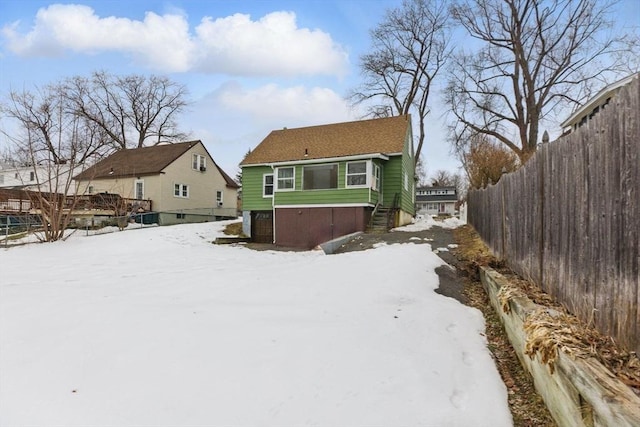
(250, 66)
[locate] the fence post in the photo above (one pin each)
(504, 221)
(541, 195)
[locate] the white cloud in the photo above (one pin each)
(289, 106)
(161, 42)
(272, 45)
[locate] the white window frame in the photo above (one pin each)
(135, 189)
(376, 178)
(264, 185)
(366, 174)
(278, 180)
(219, 197)
(198, 161)
(181, 190)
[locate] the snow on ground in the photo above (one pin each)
(157, 326)
(425, 222)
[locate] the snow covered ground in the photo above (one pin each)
(159, 327)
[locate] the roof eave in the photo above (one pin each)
(367, 156)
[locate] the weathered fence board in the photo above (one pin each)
(569, 219)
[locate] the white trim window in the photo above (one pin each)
(181, 190)
(406, 181)
(139, 189)
(286, 178)
(199, 162)
(267, 185)
(356, 175)
(219, 198)
(375, 178)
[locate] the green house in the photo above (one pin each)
(305, 186)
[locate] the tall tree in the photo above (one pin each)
(133, 110)
(409, 48)
(532, 56)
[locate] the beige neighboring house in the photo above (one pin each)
(181, 180)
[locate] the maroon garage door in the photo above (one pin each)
(308, 227)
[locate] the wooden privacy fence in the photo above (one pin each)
(569, 219)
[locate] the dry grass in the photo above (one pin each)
(234, 229)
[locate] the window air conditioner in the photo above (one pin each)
(203, 168)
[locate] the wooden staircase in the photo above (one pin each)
(380, 221)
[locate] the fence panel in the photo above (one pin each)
(569, 219)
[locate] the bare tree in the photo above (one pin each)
(54, 145)
(533, 57)
(409, 48)
(133, 110)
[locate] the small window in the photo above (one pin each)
(32, 176)
(406, 182)
(376, 177)
(267, 185)
(219, 198)
(320, 177)
(199, 162)
(286, 178)
(1, 179)
(90, 189)
(139, 190)
(356, 174)
(181, 190)
(180, 216)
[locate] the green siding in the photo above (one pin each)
(252, 199)
(407, 200)
(391, 180)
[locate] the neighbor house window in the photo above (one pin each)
(267, 185)
(180, 216)
(286, 178)
(199, 162)
(320, 177)
(406, 182)
(1, 179)
(90, 189)
(139, 189)
(32, 176)
(356, 174)
(219, 198)
(376, 177)
(181, 190)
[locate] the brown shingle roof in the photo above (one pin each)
(385, 135)
(137, 161)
